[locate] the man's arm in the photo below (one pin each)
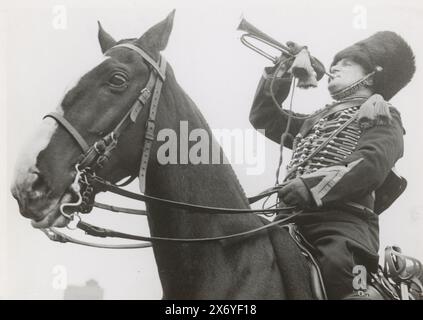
(266, 115)
(364, 170)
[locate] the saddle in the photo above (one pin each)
(401, 278)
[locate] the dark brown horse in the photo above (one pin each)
(264, 266)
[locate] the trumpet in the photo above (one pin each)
(255, 33)
(287, 51)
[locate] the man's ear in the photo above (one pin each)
(106, 40)
(157, 37)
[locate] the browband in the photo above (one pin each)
(143, 54)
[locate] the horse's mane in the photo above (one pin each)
(176, 88)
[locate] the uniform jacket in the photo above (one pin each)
(349, 168)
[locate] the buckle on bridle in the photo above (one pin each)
(144, 95)
(100, 146)
(110, 140)
(150, 125)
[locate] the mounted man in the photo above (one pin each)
(342, 155)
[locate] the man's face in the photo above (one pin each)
(345, 73)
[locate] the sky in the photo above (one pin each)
(40, 57)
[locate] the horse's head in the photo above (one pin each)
(94, 107)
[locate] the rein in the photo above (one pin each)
(95, 231)
(108, 186)
(55, 235)
(95, 156)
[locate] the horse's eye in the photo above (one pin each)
(118, 80)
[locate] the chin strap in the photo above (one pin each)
(353, 88)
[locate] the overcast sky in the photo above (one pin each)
(39, 61)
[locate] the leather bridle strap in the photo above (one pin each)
(149, 136)
(55, 235)
(190, 208)
(72, 131)
(117, 209)
(199, 209)
(143, 54)
(156, 78)
(107, 233)
(150, 128)
(133, 112)
(143, 98)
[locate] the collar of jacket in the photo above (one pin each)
(330, 109)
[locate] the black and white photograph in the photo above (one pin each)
(211, 150)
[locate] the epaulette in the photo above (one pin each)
(374, 112)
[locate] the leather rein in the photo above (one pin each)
(95, 156)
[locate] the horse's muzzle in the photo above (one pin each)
(31, 194)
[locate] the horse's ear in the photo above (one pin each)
(106, 40)
(158, 35)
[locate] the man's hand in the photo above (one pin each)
(295, 193)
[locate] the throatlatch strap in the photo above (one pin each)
(70, 129)
(149, 130)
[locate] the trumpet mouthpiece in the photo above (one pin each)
(329, 75)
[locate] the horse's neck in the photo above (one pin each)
(208, 269)
(205, 184)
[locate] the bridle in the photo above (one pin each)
(95, 156)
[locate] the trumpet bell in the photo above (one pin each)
(252, 32)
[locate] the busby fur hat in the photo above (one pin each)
(388, 50)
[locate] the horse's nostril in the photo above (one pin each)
(39, 185)
(32, 192)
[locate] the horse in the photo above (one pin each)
(266, 265)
